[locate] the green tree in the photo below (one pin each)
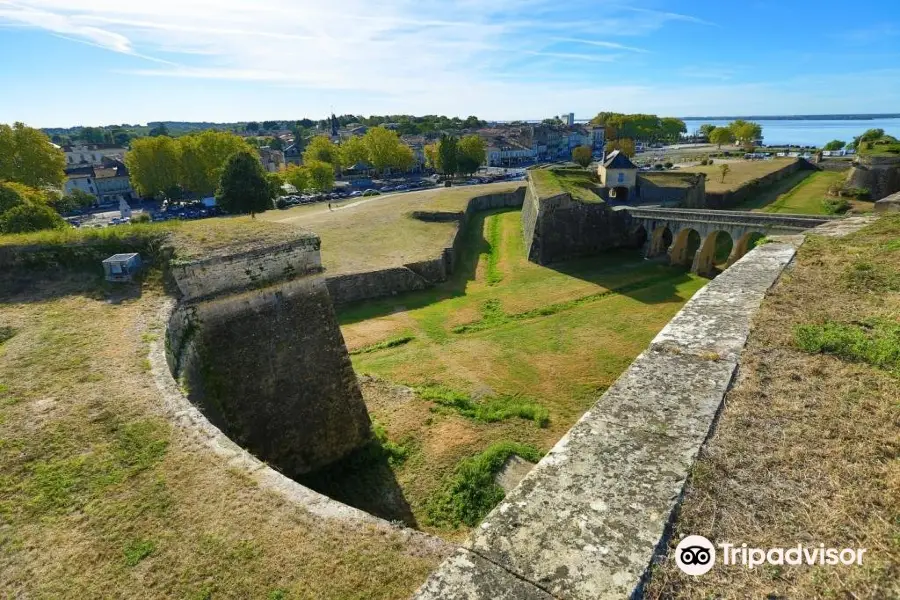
(159, 130)
(323, 149)
(706, 129)
(725, 169)
(28, 156)
(30, 216)
(354, 151)
(297, 177)
(834, 145)
(76, 200)
(276, 143)
(321, 175)
(270, 125)
(244, 187)
(447, 155)
(672, 128)
(154, 164)
(386, 150)
(624, 145)
(721, 135)
(471, 154)
(431, 156)
(252, 126)
(203, 157)
(582, 155)
(746, 132)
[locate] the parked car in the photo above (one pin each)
(371, 193)
(355, 194)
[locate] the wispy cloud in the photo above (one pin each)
(601, 44)
(380, 46)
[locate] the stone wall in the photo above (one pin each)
(730, 199)
(688, 190)
(879, 174)
(367, 285)
(587, 521)
(221, 274)
(266, 362)
(560, 228)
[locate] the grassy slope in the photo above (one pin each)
(101, 497)
(577, 182)
(375, 233)
(801, 193)
(741, 172)
(806, 449)
(562, 360)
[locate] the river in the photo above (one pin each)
(809, 132)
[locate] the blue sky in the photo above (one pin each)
(71, 62)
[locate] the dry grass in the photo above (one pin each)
(741, 172)
(370, 233)
(101, 497)
(807, 449)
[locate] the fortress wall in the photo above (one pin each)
(420, 275)
(564, 228)
(879, 174)
(586, 522)
(677, 194)
(267, 363)
(218, 274)
(728, 200)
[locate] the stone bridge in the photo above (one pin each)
(668, 231)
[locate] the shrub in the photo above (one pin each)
(860, 193)
(658, 166)
(141, 218)
(835, 206)
(27, 217)
(470, 493)
(668, 165)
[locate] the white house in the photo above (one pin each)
(91, 154)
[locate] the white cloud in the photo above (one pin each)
(393, 47)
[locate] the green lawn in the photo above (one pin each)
(580, 183)
(504, 347)
(801, 193)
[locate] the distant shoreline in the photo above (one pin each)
(860, 117)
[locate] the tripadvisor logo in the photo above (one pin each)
(696, 555)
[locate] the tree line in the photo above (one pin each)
(456, 156)
(640, 127)
(745, 133)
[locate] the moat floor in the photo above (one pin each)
(508, 351)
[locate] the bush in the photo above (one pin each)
(141, 218)
(470, 493)
(658, 166)
(668, 165)
(28, 217)
(860, 193)
(835, 205)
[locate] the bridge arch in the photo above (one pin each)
(743, 245)
(637, 237)
(684, 247)
(715, 250)
(660, 240)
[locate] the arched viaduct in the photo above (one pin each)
(668, 231)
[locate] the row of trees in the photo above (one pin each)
(745, 133)
(646, 128)
(456, 156)
(189, 164)
(379, 149)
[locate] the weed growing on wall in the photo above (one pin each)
(470, 492)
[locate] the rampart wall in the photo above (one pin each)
(367, 285)
(879, 174)
(255, 343)
(687, 190)
(730, 199)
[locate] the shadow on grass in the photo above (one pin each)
(770, 194)
(363, 479)
(473, 246)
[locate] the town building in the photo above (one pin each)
(91, 154)
(619, 175)
(107, 183)
(272, 160)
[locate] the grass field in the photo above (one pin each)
(507, 351)
(580, 183)
(101, 497)
(801, 193)
(741, 171)
(370, 233)
(806, 447)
